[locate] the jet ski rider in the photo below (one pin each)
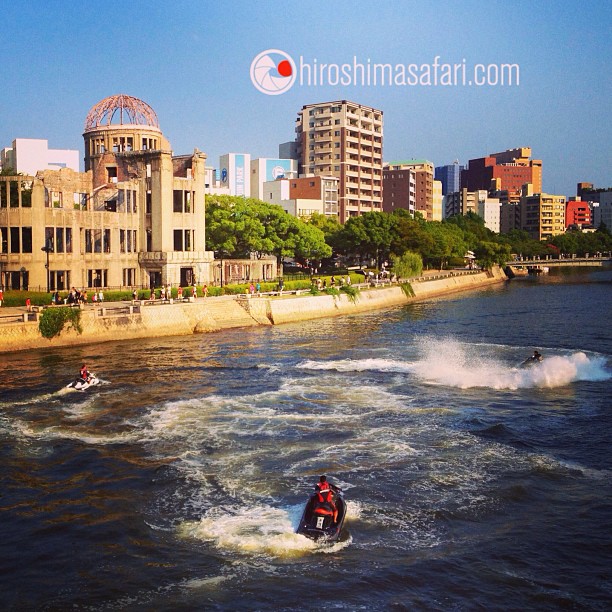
(84, 373)
(325, 493)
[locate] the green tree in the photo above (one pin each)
(238, 227)
(489, 253)
(407, 265)
(367, 236)
(448, 241)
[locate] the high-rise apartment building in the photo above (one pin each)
(399, 190)
(508, 171)
(344, 139)
(424, 176)
(542, 214)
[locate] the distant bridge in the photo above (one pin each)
(555, 261)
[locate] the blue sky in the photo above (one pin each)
(190, 61)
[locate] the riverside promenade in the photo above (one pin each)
(144, 319)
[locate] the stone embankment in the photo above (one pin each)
(124, 321)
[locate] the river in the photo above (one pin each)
(177, 484)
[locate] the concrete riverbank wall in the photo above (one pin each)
(204, 315)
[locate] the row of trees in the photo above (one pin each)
(237, 227)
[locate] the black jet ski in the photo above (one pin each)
(318, 523)
(533, 360)
(82, 385)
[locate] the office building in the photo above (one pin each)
(302, 197)
(507, 171)
(578, 213)
(235, 173)
(490, 210)
(344, 139)
(449, 176)
(30, 155)
(264, 169)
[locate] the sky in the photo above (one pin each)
(190, 61)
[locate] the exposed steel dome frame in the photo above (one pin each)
(127, 109)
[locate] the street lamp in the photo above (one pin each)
(221, 273)
(48, 248)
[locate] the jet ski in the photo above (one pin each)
(317, 522)
(533, 360)
(82, 385)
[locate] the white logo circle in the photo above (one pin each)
(273, 72)
(278, 172)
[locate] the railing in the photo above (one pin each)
(559, 261)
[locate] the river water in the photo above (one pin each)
(177, 484)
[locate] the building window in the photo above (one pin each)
(53, 199)
(178, 240)
(15, 240)
(129, 276)
(80, 201)
(59, 279)
(97, 278)
(112, 174)
(59, 239)
(26, 239)
(178, 201)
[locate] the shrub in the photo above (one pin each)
(351, 292)
(407, 289)
(52, 320)
(407, 265)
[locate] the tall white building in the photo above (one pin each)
(490, 210)
(234, 169)
(31, 155)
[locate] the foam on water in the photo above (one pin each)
(455, 364)
(357, 365)
(256, 530)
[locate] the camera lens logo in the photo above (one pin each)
(273, 72)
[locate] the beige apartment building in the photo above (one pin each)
(135, 217)
(542, 214)
(343, 139)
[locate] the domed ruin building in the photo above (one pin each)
(134, 218)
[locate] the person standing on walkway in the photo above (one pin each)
(1, 296)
